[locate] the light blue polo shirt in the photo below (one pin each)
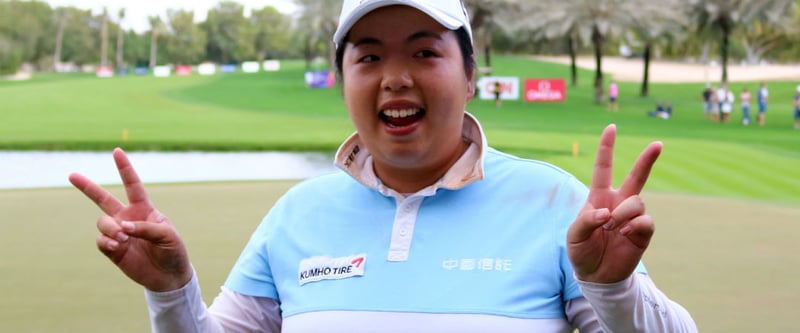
(492, 247)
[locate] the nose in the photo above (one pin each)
(396, 77)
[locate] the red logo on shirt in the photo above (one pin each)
(358, 262)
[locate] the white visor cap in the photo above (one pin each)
(450, 13)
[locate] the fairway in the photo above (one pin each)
(276, 112)
(725, 260)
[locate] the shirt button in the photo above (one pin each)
(403, 232)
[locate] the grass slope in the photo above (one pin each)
(275, 111)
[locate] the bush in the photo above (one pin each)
(10, 56)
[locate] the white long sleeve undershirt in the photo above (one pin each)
(632, 305)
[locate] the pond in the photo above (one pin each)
(37, 169)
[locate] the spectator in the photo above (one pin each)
(663, 110)
(498, 91)
(763, 98)
(613, 94)
(726, 99)
(714, 114)
(667, 113)
(708, 92)
(745, 98)
(797, 109)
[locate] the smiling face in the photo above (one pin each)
(405, 89)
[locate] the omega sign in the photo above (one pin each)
(545, 90)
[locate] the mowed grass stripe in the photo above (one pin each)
(731, 170)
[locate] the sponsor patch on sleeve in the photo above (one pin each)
(328, 268)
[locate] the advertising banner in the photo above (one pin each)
(272, 65)
(320, 79)
(105, 71)
(545, 90)
(207, 68)
(162, 71)
(509, 87)
(183, 70)
(250, 67)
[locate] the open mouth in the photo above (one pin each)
(401, 117)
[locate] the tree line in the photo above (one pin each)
(752, 31)
(33, 32)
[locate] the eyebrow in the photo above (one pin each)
(414, 37)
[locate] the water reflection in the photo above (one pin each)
(34, 169)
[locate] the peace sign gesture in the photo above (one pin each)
(137, 237)
(611, 232)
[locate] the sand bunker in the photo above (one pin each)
(624, 69)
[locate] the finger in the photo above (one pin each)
(586, 223)
(640, 230)
(151, 232)
(133, 185)
(603, 165)
(627, 210)
(109, 227)
(108, 246)
(637, 178)
(107, 202)
(157, 217)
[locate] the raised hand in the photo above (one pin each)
(137, 237)
(612, 231)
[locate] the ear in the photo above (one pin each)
(471, 85)
(470, 89)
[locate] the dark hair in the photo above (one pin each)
(464, 42)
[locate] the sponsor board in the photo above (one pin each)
(183, 70)
(250, 67)
(272, 65)
(207, 69)
(545, 90)
(105, 71)
(509, 87)
(162, 71)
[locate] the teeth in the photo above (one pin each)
(400, 113)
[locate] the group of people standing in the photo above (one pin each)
(718, 103)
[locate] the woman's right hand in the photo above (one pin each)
(137, 237)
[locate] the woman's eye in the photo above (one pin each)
(369, 58)
(425, 54)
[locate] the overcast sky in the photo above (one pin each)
(137, 11)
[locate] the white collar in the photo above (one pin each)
(354, 158)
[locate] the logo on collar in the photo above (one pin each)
(328, 268)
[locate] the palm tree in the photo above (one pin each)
(768, 32)
(724, 16)
(592, 21)
(483, 18)
(321, 18)
(61, 16)
(104, 39)
(156, 26)
(663, 20)
(547, 20)
(120, 38)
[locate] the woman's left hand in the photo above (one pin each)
(607, 240)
